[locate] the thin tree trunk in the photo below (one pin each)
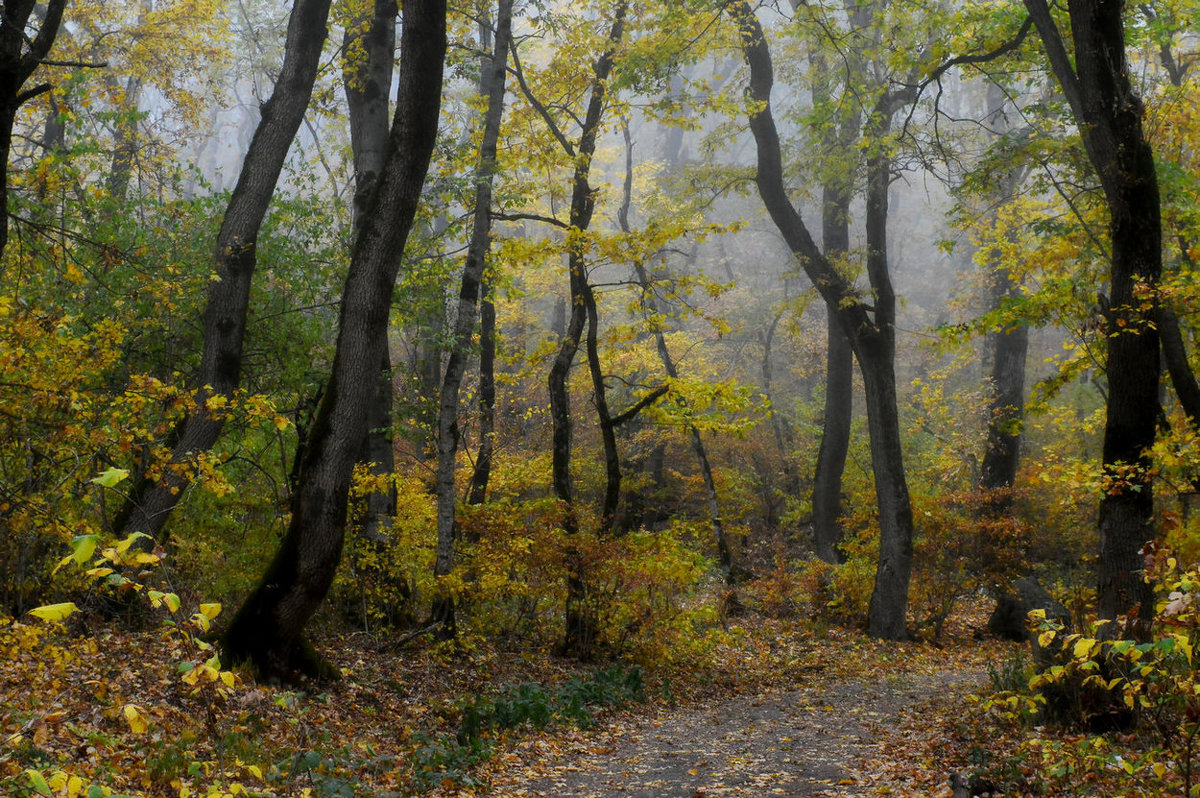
(268, 628)
(368, 83)
(580, 625)
(464, 324)
(224, 320)
(871, 337)
(487, 393)
(1109, 116)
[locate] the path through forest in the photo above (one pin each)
(809, 740)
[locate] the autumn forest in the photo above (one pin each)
(624, 396)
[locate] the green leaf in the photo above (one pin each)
(84, 547)
(54, 612)
(38, 782)
(111, 477)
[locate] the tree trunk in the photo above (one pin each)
(835, 443)
(871, 338)
(487, 393)
(368, 82)
(19, 57)
(1009, 347)
(268, 628)
(224, 320)
(580, 625)
(1109, 116)
(836, 195)
(464, 324)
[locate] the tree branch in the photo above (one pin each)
(641, 405)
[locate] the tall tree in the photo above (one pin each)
(492, 86)
(224, 320)
(869, 327)
(268, 628)
(20, 55)
(370, 46)
(1108, 113)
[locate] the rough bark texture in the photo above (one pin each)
(1009, 347)
(367, 80)
(224, 321)
(492, 84)
(871, 336)
(19, 57)
(1109, 116)
(268, 628)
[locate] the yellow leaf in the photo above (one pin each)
(1083, 647)
(54, 612)
(139, 723)
(228, 677)
(210, 611)
(281, 423)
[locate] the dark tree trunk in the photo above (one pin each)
(19, 57)
(1183, 378)
(835, 443)
(836, 194)
(224, 321)
(580, 625)
(871, 336)
(1009, 347)
(367, 83)
(268, 628)
(1109, 116)
(492, 84)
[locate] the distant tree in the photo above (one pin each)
(268, 628)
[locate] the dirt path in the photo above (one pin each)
(805, 741)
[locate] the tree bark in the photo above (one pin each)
(19, 57)
(368, 83)
(871, 338)
(487, 394)
(268, 628)
(224, 319)
(1109, 116)
(492, 85)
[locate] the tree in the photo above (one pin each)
(870, 328)
(491, 85)
(1108, 113)
(20, 56)
(224, 319)
(370, 45)
(268, 628)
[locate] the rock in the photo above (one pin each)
(1008, 620)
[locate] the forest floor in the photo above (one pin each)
(781, 709)
(818, 739)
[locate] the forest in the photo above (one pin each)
(521, 397)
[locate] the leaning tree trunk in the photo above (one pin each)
(268, 628)
(368, 83)
(871, 335)
(1109, 116)
(492, 84)
(19, 57)
(224, 320)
